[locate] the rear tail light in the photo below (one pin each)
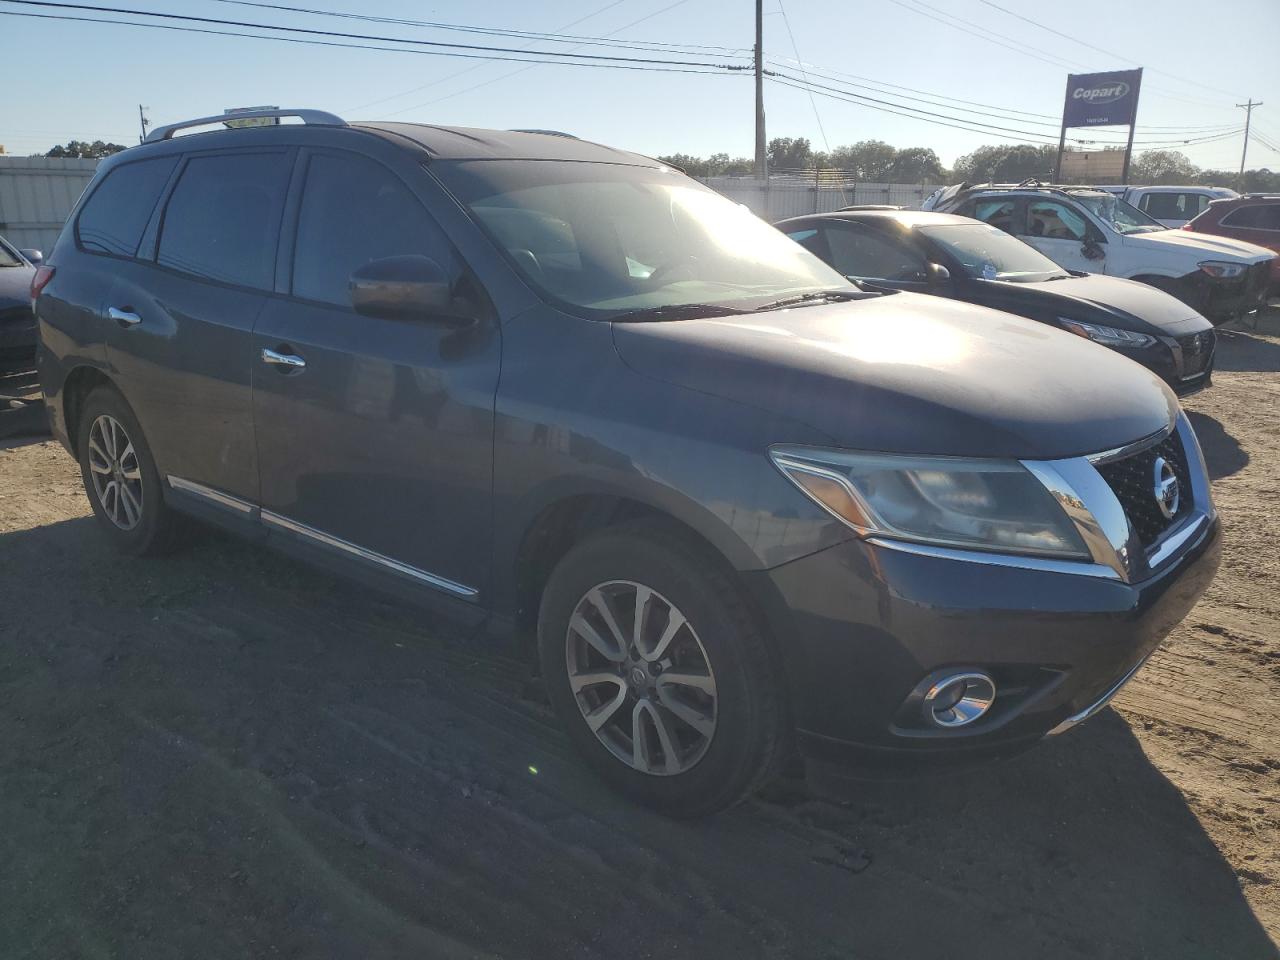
(40, 280)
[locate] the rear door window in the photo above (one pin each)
(116, 213)
(998, 212)
(1055, 221)
(223, 218)
(355, 211)
(1173, 206)
(871, 255)
(1262, 216)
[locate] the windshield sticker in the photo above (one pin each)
(988, 271)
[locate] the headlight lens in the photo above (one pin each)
(1222, 269)
(993, 505)
(1107, 336)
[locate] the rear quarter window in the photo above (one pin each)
(223, 218)
(1262, 216)
(116, 213)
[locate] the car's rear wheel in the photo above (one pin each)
(120, 477)
(660, 672)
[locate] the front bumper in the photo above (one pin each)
(865, 622)
(1223, 299)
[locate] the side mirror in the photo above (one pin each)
(408, 288)
(937, 274)
(1092, 250)
(35, 257)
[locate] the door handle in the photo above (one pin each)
(290, 361)
(126, 318)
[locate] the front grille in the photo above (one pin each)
(1133, 482)
(1197, 351)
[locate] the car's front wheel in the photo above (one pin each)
(120, 476)
(660, 671)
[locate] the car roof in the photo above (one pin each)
(475, 143)
(905, 218)
(435, 140)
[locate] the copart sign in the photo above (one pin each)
(1101, 99)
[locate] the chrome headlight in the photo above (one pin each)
(995, 505)
(1222, 269)
(1107, 336)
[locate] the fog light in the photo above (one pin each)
(959, 699)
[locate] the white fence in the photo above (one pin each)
(793, 196)
(36, 194)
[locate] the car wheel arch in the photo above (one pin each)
(78, 384)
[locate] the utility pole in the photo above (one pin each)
(762, 162)
(143, 122)
(1248, 115)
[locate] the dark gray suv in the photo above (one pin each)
(728, 502)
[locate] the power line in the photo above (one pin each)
(537, 35)
(511, 73)
(1123, 59)
(1018, 46)
(797, 84)
(812, 101)
(478, 66)
(724, 70)
(932, 98)
(311, 31)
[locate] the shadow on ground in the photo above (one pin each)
(1223, 454)
(224, 754)
(1248, 346)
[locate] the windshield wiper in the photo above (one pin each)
(814, 297)
(678, 311)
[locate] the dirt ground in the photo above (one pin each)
(224, 754)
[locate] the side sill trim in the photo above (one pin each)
(242, 507)
(1077, 567)
(336, 543)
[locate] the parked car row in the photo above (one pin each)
(17, 320)
(972, 261)
(1090, 230)
(727, 502)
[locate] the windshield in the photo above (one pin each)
(7, 257)
(1120, 216)
(605, 240)
(988, 253)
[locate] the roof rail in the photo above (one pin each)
(549, 133)
(316, 117)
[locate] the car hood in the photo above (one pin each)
(1121, 300)
(15, 286)
(1217, 248)
(909, 373)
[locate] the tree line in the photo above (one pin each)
(875, 161)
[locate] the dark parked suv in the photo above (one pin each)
(562, 391)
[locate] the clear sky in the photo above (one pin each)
(80, 80)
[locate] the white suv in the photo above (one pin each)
(1092, 231)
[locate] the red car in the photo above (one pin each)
(1255, 218)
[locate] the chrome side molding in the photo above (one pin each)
(243, 507)
(246, 509)
(354, 550)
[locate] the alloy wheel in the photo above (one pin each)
(641, 677)
(116, 472)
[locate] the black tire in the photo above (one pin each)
(748, 745)
(157, 528)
